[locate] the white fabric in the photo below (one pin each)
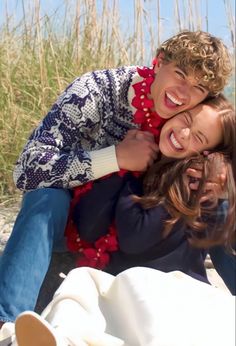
(143, 307)
(7, 334)
(104, 161)
(83, 321)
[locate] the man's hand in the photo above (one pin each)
(137, 151)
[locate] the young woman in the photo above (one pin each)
(167, 227)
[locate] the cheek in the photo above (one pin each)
(161, 139)
(196, 98)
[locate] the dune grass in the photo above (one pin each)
(39, 56)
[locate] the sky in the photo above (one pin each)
(217, 20)
(211, 12)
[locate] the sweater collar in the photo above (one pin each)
(142, 106)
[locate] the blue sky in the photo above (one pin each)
(214, 10)
(217, 21)
(55, 9)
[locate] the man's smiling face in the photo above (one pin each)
(175, 90)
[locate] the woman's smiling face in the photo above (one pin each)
(191, 132)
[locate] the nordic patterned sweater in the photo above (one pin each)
(75, 142)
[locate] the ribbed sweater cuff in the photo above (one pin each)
(104, 161)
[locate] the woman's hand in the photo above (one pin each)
(216, 180)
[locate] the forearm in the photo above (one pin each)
(94, 212)
(138, 229)
(225, 265)
(54, 155)
(50, 166)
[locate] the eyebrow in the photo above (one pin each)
(182, 69)
(199, 132)
(186, 73)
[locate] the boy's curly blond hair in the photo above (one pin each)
(200, 53)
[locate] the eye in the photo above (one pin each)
(180, 73)
(200, 88)
(187, 119)
(198, 138)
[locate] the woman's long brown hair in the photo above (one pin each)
(166, 183)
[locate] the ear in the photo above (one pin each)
(159, 61)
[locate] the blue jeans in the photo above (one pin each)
(38, 228)
(225, 265)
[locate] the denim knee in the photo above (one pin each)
(50, 206)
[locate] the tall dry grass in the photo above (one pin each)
(40, 55)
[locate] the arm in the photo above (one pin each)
(94, 212)
(138, 229)
(53, 155)
(225, 265)
(223, 261)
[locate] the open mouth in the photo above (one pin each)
(172, 101)
(175, 142)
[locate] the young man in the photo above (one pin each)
(85, 136)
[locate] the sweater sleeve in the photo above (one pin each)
(53, 155)
(138, 229)
(94, 212)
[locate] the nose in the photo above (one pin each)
(182, 92)
(185, 133)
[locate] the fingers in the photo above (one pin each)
(213, 191)
(138, 134)
(149, 137)
(195, 173)
(144, 135)
(194, 186)
(204, 198)
(208, 196)
(131, 133)
(137, 151)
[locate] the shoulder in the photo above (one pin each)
(99, 89)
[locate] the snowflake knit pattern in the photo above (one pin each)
(93, 113)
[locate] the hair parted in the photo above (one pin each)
(200, 53)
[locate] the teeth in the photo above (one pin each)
(174, 142)
(174, 100)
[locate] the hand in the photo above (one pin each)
(215, 186)
(194, 175)
(216, 182)
(137, 151)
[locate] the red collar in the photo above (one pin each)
(144, 115)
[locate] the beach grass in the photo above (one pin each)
(40, 55)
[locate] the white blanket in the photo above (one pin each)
(143, 307)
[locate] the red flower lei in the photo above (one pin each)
(96, 254)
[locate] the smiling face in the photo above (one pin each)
(175, 90)
(191, 132)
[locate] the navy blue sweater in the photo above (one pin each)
(140, 231)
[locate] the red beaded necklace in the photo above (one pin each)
(96, 255)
